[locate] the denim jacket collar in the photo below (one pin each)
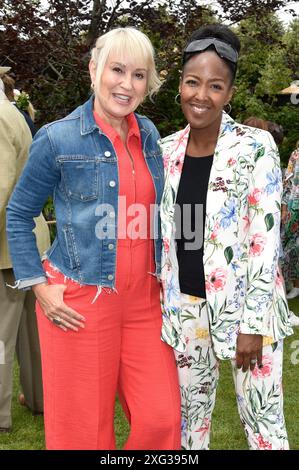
(87, 120)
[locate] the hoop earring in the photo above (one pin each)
(178, 103)
(227, 108)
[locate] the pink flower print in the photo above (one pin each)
(166, 244)
(254, 197)
(166, 158)
(278, 279)
(177, 166)
(181, 138)
(257, 244)
(215, 232)
(204, 429)
(247, 222)
(216, 280)
(264, 444)
(266, 370)
(231, 161)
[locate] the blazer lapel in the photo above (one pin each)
(174, 149)
(223, 168)
(221, 200)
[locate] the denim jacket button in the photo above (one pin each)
(110, 277)
(112, 184)
(107, 154)
(110, 246)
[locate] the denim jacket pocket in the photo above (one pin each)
(80, 177)
(70, 255)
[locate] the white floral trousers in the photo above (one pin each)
(258, 392)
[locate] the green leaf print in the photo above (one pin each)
(228, 253)
(187, 316)
(260, 153)
(269, 221)
(190, 442)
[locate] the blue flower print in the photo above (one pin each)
(240, 399)
(184, 424)
(254, 145)
(172, 291)
(227, 127)
(274, 179)
(229, 214)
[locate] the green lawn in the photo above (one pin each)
(227, 432)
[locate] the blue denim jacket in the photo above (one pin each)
(75, 162)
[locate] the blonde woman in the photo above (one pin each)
(98, 295)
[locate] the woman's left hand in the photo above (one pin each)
(249, 351)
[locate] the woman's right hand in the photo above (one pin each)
(50, 299)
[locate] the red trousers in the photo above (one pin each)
(119, 350)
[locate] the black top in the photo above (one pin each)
(190, 222)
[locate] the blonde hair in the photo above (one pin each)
(31, 111)
(127, 41)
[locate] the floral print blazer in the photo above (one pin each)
(241, 244)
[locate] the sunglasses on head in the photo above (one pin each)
(224, 50)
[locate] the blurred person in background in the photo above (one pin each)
(21, 101)
(256, 122)
(276, 130)
(18, 328)
(290, 221)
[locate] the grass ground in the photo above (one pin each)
(227, 432)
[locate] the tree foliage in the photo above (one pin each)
(48, 43)
(267, 65)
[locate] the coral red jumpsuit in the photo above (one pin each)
(120, 349)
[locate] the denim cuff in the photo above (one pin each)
(28, 283)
